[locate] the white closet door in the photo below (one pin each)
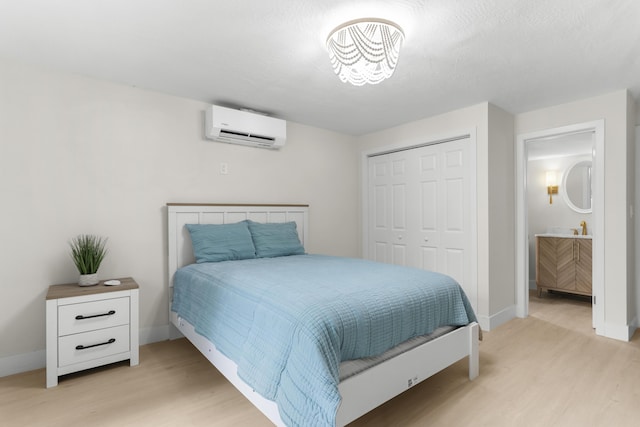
(420, 211)
(388, 201)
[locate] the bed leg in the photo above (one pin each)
(474, 353)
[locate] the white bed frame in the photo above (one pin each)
(360, 393)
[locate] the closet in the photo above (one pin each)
(421, 210)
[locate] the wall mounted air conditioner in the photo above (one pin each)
(244, 127)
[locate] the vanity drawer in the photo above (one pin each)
(88, 316)
(93, 345)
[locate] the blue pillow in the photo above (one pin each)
(275, 239)
(221, 242)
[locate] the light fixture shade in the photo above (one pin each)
(551, 178)
(365, 50)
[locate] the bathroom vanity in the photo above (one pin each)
(564, 263)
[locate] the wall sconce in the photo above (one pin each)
(552, 185)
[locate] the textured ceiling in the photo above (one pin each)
(269, 55)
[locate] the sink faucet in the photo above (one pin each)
(583, 224)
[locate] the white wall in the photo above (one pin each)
(637, 226)
(79, 155)
(501, 216)
(614, 109)
(633, 317)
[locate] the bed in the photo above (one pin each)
(358, 389)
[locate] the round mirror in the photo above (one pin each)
(576, 187)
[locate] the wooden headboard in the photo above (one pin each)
(179, 214)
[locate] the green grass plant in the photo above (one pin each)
(87, 252)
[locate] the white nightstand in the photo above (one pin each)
(90, 326)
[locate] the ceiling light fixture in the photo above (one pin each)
(365, 50)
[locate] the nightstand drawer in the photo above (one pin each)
(93, 345)
(88, 316)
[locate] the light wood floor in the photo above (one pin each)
(547, 370)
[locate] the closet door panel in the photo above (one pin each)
(420, 210)
(429, 209)
(379, 209)
(454, 207)
(429, 206)
(399, 255)
(428, 235)
(400, 197)
(454, 226)
(379, 251)
(455, 175)
(398, 207)
(456, 265)
(429, 258)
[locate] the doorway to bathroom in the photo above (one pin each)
(560, 183)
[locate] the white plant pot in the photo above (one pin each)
(88, 279)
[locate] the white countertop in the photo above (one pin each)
(563, 235)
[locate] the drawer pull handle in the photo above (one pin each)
(84, 347)
(81, 317)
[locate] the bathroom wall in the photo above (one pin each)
(541, 214)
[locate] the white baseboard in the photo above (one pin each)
(154, 334)
(11, 365)
(19, 363)
(619, 332)
(174, 333)
(488, 323)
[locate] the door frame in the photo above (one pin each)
(408, 145)
(522, 225)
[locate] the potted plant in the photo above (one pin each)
(87, 252)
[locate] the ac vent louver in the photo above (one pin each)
(245, 128)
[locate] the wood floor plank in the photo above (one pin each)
(547, 370)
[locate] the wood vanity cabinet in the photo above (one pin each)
(564, 264)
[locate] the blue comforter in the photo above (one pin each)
(288, 322)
